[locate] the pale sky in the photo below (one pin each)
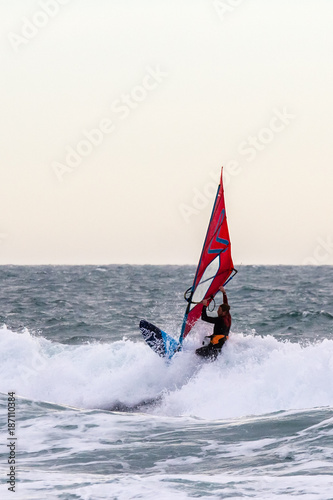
(117, 115)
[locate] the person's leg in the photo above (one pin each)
(208, 351)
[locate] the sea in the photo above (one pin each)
(89, 411)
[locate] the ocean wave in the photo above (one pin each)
(253, 375)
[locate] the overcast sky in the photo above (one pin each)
(117, 115)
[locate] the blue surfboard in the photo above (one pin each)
(160, 342)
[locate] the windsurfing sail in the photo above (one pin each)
(215, 266)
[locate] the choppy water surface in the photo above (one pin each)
(100, 415)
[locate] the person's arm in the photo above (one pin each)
(225, 298)
(204, 316)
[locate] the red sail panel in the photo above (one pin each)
(215, 264)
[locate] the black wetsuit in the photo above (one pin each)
(220, 333)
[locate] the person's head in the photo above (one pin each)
(223, 310)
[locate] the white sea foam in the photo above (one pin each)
(253, 375)
(180, 486)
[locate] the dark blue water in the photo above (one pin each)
(74, 304)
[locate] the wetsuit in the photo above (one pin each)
(220, 333)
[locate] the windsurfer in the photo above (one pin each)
(222, 325)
